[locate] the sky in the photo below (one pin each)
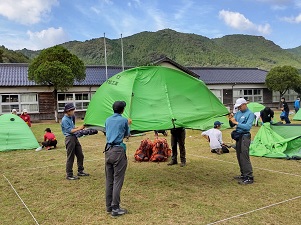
(38, 24)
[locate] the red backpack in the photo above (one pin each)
(144, 151)
(161, 150)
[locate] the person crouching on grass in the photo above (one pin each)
(49, 140)
(215, 138)
(73, 146)
(243, 120)
(116, 128)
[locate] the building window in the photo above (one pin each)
(218, 94)
(19, 102)
(253, 95)
(80, 100)
(290, 96)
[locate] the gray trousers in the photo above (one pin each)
(178, 137)
(115, 166)
(73, 148)
(243, 157)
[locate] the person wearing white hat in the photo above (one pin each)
(243, 120)
(24, 116)
(14, 111)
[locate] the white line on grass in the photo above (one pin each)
(273, 171)
(21, 200)
(255, 210)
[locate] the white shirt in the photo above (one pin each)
(215, 136)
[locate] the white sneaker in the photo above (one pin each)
(39, 149)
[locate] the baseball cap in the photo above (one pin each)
(25, 110)
(239, 102)
(69, 107)
(217, 123)
(119, 105)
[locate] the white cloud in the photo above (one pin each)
(47, 38)
(238, 21)
(296, 19)
(183, 9)
(26, 11)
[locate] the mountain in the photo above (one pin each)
(10, 56)
(186, 49)
(296, 51)
(258, 51)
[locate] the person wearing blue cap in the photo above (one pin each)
(73, 146)
(215, 138)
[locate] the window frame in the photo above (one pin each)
(19, 103)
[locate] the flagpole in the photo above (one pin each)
(106, 64)
(122, 59)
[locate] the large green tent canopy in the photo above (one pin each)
(255, 107)
(15, 134)
(158, 98)
(277, 141)
(297, 116)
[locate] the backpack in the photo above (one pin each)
(161, 150)
(144, 151)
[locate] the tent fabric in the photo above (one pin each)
(297, 116)
(255, 107)
(157, 98)
(15, 134)
(277, 141)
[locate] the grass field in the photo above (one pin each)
(203, 192)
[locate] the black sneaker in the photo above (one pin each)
(239, 178)
(246, 181)
(72, 178)
(109, 209)
(82, 174)
(172, 163)
(118, 212)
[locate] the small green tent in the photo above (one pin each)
(15, 134)
(158, 98)
(255, 107)
(277, 141)
(297, 116)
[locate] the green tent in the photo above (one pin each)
(158, 98)
(15, 134)
(255, 107)
(277, 141)
(297, 116)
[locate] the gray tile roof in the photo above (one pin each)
(215, 75)
(15, 74)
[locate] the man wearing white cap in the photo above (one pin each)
(243, 120)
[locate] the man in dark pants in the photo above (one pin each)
(286, 110)
(117, 128)
(73, 146)
(178, 137)
(243, 120)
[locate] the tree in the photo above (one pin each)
(58, 68)
(1, 56)
(283, 78)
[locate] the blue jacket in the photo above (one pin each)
(245, 121)
(297, 104)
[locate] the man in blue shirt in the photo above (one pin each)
(73, 146)
(117, 128)
(297, 105)
(243, 120)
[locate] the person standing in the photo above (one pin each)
(285, 109)
(178, 137)
(24, 116)
(297, 105)
(266, 115)
(73, 146)
(116, 128)
(243, 120)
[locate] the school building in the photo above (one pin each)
(228, 84)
